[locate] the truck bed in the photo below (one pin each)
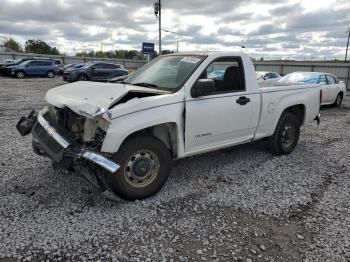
(266, 87)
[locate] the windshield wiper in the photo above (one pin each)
(145, 84)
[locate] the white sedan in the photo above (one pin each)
(267, 76)
(333, 90)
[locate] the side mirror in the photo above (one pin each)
(93, 68)
(203, 87)
(266, 77)
(323, 83)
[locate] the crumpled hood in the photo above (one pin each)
(91, 98)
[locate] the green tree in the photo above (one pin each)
(13, 44)
(100, 54)
(40, 47)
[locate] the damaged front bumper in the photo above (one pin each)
(51, 142)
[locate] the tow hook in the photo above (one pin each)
(25, 124)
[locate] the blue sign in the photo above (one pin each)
(148, 48)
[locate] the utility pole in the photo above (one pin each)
(158, 12)
(160, 27)
(347, 45)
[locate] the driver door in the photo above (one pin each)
(220, 119)
(97, 72)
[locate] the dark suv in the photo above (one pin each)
(95, 71)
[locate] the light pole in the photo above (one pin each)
(347, 45)
(177, 40)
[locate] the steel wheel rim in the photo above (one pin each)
(141, 168)
(288, 135)
(20, 75)
(50, 74)
(82, 78)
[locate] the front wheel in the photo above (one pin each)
(338, 100)
(82, 77)
(20, 74)
(144, 168)
(50, 74)
(286, 135)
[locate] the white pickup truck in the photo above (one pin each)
(123, 137)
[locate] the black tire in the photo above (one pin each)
(286, 135)
(82, 77)
(50, 74)
(20, 74)
(123, 184)
(338, 101)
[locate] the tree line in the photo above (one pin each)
(31, 46)
(40, 47)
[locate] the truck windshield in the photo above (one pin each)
(165, 72)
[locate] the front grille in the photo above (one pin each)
(41, 134)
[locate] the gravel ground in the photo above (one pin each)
(241, 204)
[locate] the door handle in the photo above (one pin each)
(243, 100)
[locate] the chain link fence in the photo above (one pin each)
(128, 63)
(341, 70)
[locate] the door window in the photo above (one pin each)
(323, 79)
(331, 80)
(110, 66)
(227, 73)
(32, 63)
(98, 66)
(44, 63)
(271, 75)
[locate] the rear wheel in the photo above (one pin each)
(20, 74)
(82, 77)
(286, 135)
(50, 74)
(338, 101)
(144, 168)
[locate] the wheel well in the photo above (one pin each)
(298, 110)
(341, 93)
(167, 133)
(83, 74)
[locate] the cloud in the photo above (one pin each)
(265, 27)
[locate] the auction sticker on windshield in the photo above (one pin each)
(190, 59)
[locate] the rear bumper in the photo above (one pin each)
(51, 142)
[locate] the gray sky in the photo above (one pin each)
(272, 29)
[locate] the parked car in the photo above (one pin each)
(217, 74)
(7, 62)
(61, 70)
(4, 64)
(6, 69)
(95, 71)
(123, 137)
(333, 90)
(267, 76)
(34, 68)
